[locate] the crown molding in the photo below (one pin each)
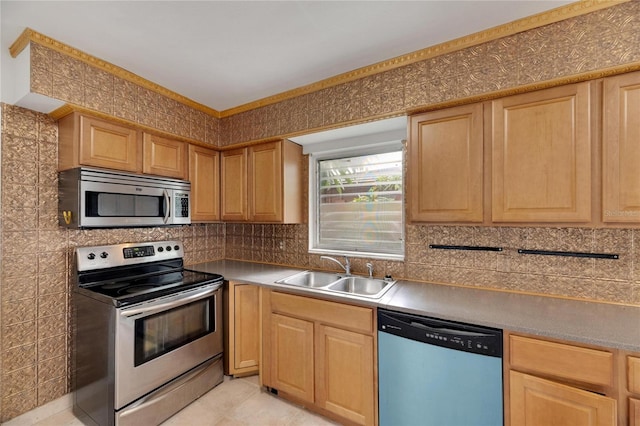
(29, 35)
(549, 17)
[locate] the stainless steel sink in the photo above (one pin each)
(331, 282)
(368, 287)
(310, 279)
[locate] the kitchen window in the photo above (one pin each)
(357, 202)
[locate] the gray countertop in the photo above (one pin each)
(608, 325)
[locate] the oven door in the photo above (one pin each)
(161, 339)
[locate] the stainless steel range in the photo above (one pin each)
(147, 332)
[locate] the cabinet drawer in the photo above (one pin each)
(338, 314)
(633, 374)
(560, 360)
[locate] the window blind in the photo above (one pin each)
(359, 204)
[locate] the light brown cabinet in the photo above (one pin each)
(234, 199)
(204, 174)
(634, 412)
(633, 388)
(344, 386)
(621, 149)
(445, 156)
(552, 382)
(540, 402)
(320, 353)
(263, 183)
(291, 357)
(242, 329)
(164, 157)
(90, 141)
(542, 156)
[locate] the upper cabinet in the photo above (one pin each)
(233, 166)
(164, 157)
(446, 165)
(541, 156)
(90, 141)
(262, 183)
(621, 149)
(85, 140)
(204, 174)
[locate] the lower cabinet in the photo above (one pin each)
(242, 329)
(633, 388)
(292, 359)
(539, 402)
(344, 368)
(320, 354)
(557, 383)
(634, 412)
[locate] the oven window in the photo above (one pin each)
(106, 204)
(163, 332)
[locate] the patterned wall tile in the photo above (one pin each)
(21, 287)
(52, 347)
(18, 334)
(68, 89)
(51, 390)
(41, 81)
(18, 310)
(18, 381)
(18, 357)
(17, 404)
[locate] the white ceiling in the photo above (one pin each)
(225, 54)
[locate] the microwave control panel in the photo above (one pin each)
(181, 200)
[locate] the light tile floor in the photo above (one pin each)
(235, 402)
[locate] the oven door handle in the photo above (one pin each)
(149, 310)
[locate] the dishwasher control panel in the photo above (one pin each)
(448, 334)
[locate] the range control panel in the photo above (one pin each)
(448, 334)
(100, 257)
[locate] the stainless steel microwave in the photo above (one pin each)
(100, 198)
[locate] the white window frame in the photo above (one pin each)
(371, 149)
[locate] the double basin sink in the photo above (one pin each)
(346, 284)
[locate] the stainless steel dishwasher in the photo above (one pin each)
(436, 372)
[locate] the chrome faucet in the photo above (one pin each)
(346, 266)
(370, 269)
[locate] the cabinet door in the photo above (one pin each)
(104, 144)
(633, 374)
(621, 149)
(292, 357)
(246, 327)
(540, 402)
(634, 412)
(344, 369)
(445, 163)
(204, 172)
(542, 156)
(164, 157)
(265, 182)
(234, 185)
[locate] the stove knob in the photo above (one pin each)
(176, 247)
(104, 255)
(168, 248)
(91, 256)
(160, 249)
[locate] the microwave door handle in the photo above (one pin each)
(167, 206)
